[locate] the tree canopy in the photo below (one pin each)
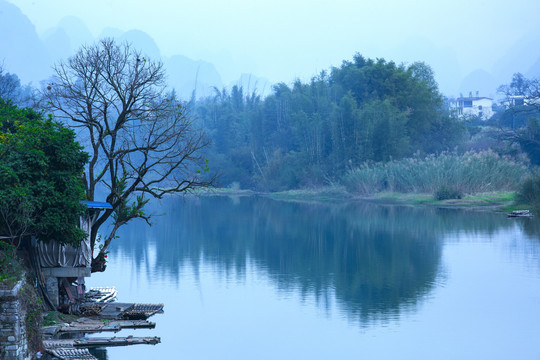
(40, 172)
(308, 133)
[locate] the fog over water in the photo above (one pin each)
(471, 45)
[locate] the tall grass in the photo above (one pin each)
(468, 173)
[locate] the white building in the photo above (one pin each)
(481, 107)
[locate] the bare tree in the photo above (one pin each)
(141, 141)
(522, 92)
(522, 115)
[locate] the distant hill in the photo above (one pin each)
(21, 50)
(521, 57)
(58, 44)
(187, 75)
(534, 70)
(141, 41)
(443, 61)
(31, 57)
(481, 81)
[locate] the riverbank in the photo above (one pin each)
(503, 201)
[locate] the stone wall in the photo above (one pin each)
(13, 342)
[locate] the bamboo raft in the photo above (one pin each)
(101, 313)
(86, 325)
(77, 349)
(101, 294)
(128, 311)
(100, 342)
(71, 354)
(142, 311)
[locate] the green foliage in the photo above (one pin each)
(33, 320)
(40, 172)
(124, 211)
(11, 269)
(515, 117)
(529, 192)
(529, 140)
(445, 192)
(305, 134)
(49, 319)
(470, 173)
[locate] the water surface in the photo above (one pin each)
(254, 278)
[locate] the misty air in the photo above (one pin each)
(269, 180)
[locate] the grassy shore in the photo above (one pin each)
(221, 192)
(495, 200)
(483, 179)
(500, 200)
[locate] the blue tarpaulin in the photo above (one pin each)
(96, 204)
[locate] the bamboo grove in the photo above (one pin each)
(310, 134)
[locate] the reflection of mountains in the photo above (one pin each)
(376, 259)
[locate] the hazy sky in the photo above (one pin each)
(282, 39)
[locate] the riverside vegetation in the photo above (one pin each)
(367, 127)
(448, 175)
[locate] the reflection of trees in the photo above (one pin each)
(530, 226)
(375, 259)
(529, 249)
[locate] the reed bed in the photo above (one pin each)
(469, 173)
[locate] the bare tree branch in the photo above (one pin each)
(141, 141)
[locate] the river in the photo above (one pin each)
(254, 278)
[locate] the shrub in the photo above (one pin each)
(529, 192)
(445, 192)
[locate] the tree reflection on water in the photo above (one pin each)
(375, 261)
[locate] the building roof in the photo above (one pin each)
(472, 98)
(96, 204)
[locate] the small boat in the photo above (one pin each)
(520, 213)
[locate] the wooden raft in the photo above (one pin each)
(87, 325)
(77, 349)
(99, 342)
(71, 354)
(101, 294)
(128, 311)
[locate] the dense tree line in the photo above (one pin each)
(308, 134)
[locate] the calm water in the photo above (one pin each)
(253, 278)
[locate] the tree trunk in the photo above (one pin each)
(99, 264)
